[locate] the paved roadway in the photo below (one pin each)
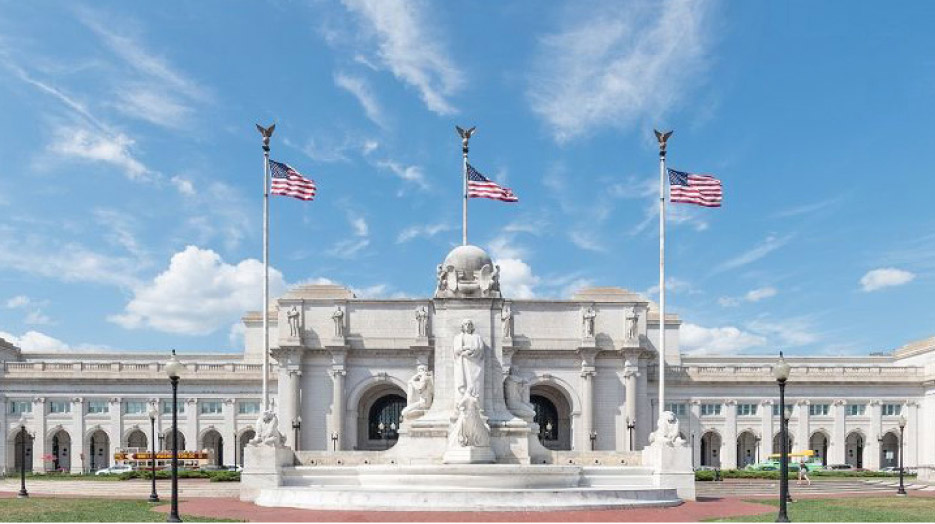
(132, 489)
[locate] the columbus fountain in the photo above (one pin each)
(467, 440)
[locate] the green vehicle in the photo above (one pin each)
(772, 463)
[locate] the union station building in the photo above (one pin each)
(341, 364)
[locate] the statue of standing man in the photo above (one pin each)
(588, 317)
(338, 317)
(468, 351)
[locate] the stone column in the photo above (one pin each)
(802, 426)
(338, 374)
(588, 372)
(39, 416)
(695, 417)
(189, 428)
(630, 373)
(4, 436)
(766, 428)
(115, 427)
(729, 444)
(872, 445)
(837, 451)
(229, 427)
(78, 411)
(912, 432)
(291, 401)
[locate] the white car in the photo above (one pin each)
(114, 470)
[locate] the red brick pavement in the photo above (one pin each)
(687, 512)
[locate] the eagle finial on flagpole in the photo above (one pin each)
(662, 137)
(266, 132)
(465, 136)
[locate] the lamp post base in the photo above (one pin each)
(154, 498)
(22, 494)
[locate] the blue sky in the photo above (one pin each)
(130, 169)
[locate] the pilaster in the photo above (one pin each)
(631, 372)
(766, 428)
(872, 452)
(729, 443)
(338, 374)
(78, 459)
(189, 428)
(588, 372)
(802, 426)
(115, 426)
(39, 416)
(3, 438)
(837, 450)
(230, 427)
(912, 434)
(695, 435)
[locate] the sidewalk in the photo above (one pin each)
(130, 489)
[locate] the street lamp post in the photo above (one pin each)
(592, 435)
(781, 372)
(22, 458)
(334, 441)
(902, 427)
(296, 426)
(631, 425)
(756, 444)
(173, 370)
(153, 497)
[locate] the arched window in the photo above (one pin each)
(137, 439)
(386, 411)
(546, 417)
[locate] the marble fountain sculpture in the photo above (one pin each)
(467, 437)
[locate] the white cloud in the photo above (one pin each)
(358, 87)
(183, 185)
(698, 340)
(585, 239)
(516, 278)
(18, 301)
(754, 295)
(770, 244)
(89, 145)
(796, 331)
(198, 293)
(624, 63)
(885, 277)
(409, 47)
(412, 174)
(348, 248)
(35, 341)
(673, 285)
(427, 230)
(153, 106)
(37, 317)
(360, 226)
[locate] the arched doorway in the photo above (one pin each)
(553, 414)
(60, 449)
(98, 450)
(854, 450)
(777, 443)
(137, 439)
(747, 449)
(889, 451)
(378, 417)
(22, 439)
(167, 440)
(245, 437)
(213, 442)
(711, 449)
(819, 444)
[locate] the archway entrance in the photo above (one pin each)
(213, 442)
(22, 439)
(553, 415)
(747, 449)
(777, 443)
(60, 447)
(167, 441)
(889, 451)
(245, 437)
(819, 444)
(378, 417)
(98, 450)
(711, 449)
(137, 439)
(854, 454)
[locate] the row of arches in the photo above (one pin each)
(98, 452)
(748, 448)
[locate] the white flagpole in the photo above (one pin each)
(267, 133)
(465, 137)
(662, 137)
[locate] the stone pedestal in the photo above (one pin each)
(469, 455)
(672, 467)
(263, 466)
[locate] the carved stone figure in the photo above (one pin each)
(587, 316)
(420, 392)
(468, 351)
(516, 391)
(338, 317)
(506, 320)
(267, 430)
(294, 327)
(633, 324)
(667, 430)
(489, 278)
(441, 275)
(422, 318)
(469, 430)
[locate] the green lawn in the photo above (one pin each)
(42, 509)
(856, 509)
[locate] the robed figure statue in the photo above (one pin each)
(469, 363)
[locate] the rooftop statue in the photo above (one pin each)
(468, 272)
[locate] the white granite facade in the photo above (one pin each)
(332, 371)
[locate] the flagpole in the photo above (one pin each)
(465, 137)
(662, 138)
(267, 133)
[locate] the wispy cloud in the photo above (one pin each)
(767, 246)
(409, 47)
(411, 173)
(884, 277)
(424, 230)
(810, 208)
(358, 86)
(89, 145)
(618, 64)
(754, 295)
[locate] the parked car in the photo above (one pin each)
(840, 467)
(114, 470)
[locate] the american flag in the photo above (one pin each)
(689, 188)
(286, 181)
(479, 186)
